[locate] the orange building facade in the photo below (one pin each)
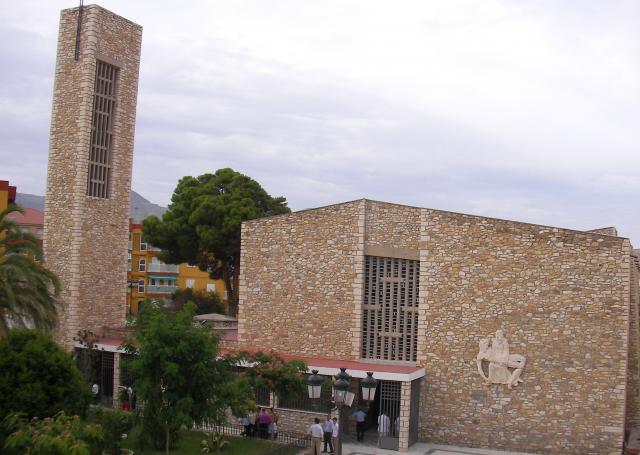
(150, 278)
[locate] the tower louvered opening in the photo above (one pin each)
(104, 101)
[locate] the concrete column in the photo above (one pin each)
(405, 413)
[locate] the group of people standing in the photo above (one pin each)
(328, 432)
(264, 425)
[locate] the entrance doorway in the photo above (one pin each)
(383, 413)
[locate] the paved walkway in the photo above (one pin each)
(350, 448)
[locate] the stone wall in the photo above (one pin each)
(392, 225)
(85, 238)
(291, 420)
(562, 298)
(301, 280)
(633, 362)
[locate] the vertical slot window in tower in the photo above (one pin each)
(104, 101)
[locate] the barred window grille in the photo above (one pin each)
(263, 396)
(104, 100)
(303, 403)
(390, 310)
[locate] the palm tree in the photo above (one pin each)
(28, 291)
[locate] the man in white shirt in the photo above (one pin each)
(335, 433)
(327, 428)
(384, 425)
(316, 433)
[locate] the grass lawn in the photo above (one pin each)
(189, 443)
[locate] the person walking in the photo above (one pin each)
(360, 417)
(327, 428)
(315, 430)
(335, 434)
(384, 425)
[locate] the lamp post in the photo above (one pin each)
(341, 395)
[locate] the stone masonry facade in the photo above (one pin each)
(566, 300)
(290, 287)
(85, 238)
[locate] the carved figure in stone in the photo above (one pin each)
(504, 367)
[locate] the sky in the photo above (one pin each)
(517, 109)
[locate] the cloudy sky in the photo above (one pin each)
(518, 109)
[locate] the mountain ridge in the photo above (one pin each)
(139, 210)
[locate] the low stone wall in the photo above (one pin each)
(297, 421)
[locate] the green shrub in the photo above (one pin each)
(115, 423)
(38, 378)
(58, 435)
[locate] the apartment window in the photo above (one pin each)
(226, 295)
(211, 287)
(142, 265)
(390, 310)
(143, 244)
(141, 286)
(191, 283)
(129, 256)
(104, 102)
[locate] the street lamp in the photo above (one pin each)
(368, 385)
(341, 395)
(341, 387)
(314, 384)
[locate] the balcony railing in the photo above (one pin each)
(152, 289)
(166, 268)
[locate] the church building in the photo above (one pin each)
(482, 332)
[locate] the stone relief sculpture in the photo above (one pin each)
(504, 368)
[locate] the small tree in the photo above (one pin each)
(177, 373)
(205, 302)
(88, 358)
(202, 223)
(285, 379)
(38, 378)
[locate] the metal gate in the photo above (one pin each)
(414, 414)
(106, 379)
(389, 415)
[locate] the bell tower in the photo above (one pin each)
(89, 172)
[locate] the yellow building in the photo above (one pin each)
(148, 277)
(190, 276)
